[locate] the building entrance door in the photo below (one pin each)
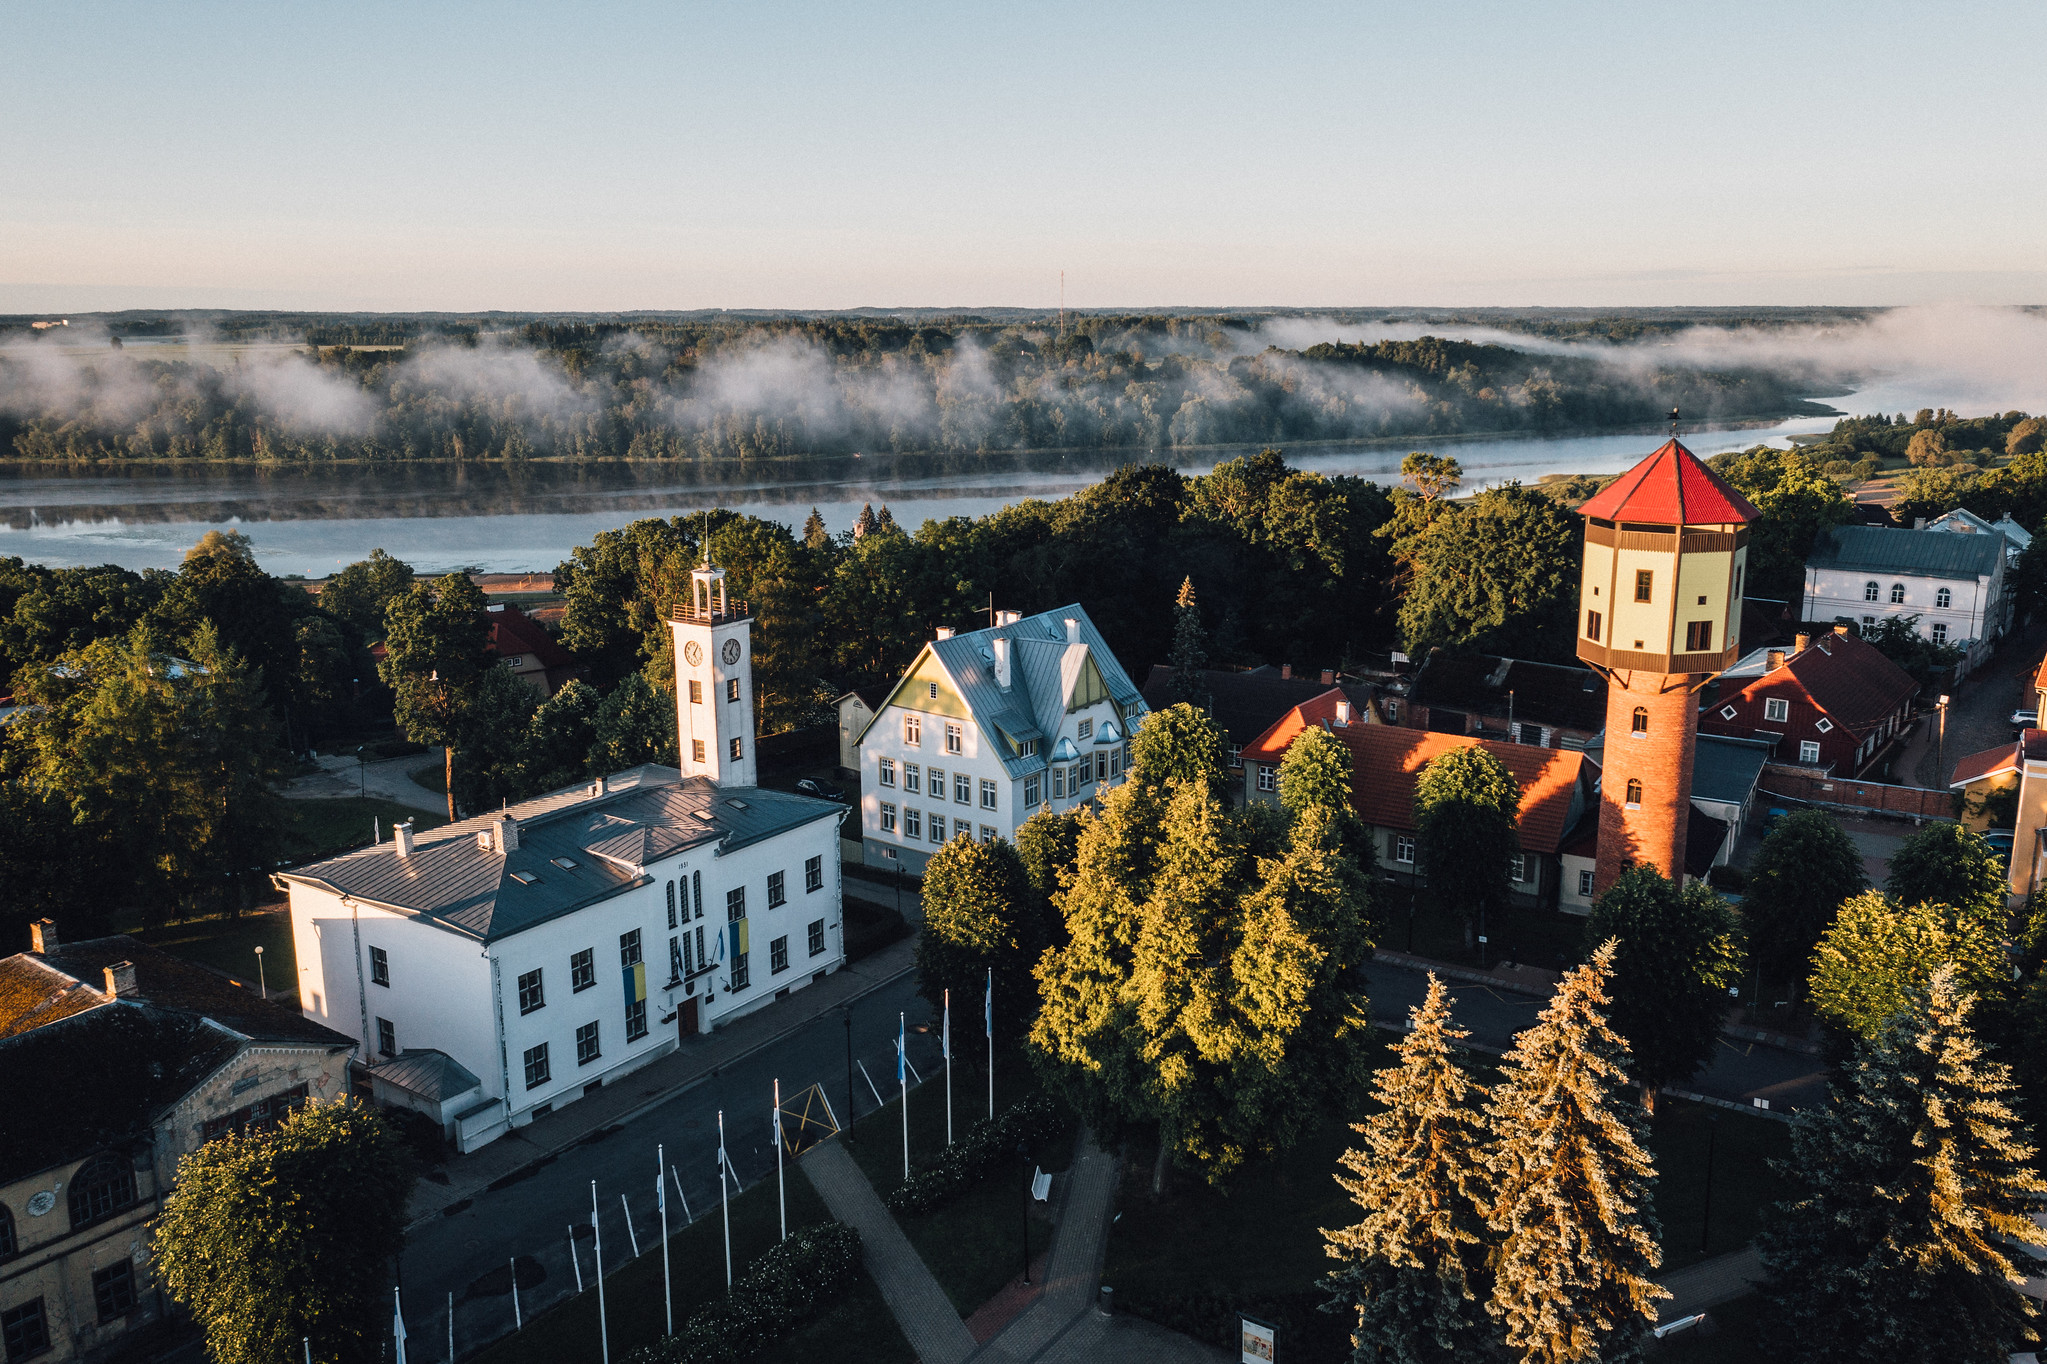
(686, 1018)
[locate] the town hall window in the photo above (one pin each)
(536, 1066)
(1698, 636)
(815, 934)
(913, 730)
(696, 693)
(731, 689)
(583, 970)
(1640, 723)
(629, 948)
(778, 955)
(735, 904)
(1897, 594)
(696, 750)
(1645, 582)
(380, 967)
(531, 996)
(1871, 591)
(1634, 793)
(586, 1044)
(778, 892)
(1592, 626)
(737, 750)
(1943, 599)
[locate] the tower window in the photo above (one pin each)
(1592, 626)
(1897, 594)
(1870, 591)
(737, 750)
(696, 693)
(696, 750)
(1698, 636)
(1640, 723)
(1645, 582)
(1634, 793)
(731, 689)
(1943, 599)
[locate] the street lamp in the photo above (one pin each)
(1940, 745)
(262, 986)
(361, 767)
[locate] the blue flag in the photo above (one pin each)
(901, 1057)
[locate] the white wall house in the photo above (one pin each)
(990, 727)
(1954, 583)
(552, 947)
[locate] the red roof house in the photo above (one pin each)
(528, 649)
(1831, 701)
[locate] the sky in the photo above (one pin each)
(595, 156)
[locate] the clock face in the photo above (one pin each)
(731, 651)
(692, 654)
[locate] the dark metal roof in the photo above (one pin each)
(428, 1072)
(1544, 693)
(1725, 769)
(607, 841)
(1246, 704)
(1933, 554)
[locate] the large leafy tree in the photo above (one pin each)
(489, 767)
(1947, 864)
(1804, 871)
(252, 613)
(1179, 746)
(1412, 1268)
(1466, 815)
(437, 644)
(1570, 1177)
(1797, 501)
(361, 593)
(635, 724)
(1917, 1186)
(286, 1236)
(559, 739)
(980, 916)
(1497, 574)
(1677, 951)
(1877, 954)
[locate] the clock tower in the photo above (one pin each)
(713, 682)
(1659, 613)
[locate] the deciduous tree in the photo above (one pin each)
(1948, 864)
(1466, 814)
(981, 915)
(1878, 953)
(437, 650)
(1677, 952)
(1179, 746)
(360, 593)
(635, 725)
(1804, 871)
(1497, 574)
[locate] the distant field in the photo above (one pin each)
(219, 354)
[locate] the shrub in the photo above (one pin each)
(987, 1144)
(778, 1292)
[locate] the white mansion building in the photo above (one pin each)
(988, 728)
(497, 967)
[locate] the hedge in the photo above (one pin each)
(987, 1144)
(778, 1292)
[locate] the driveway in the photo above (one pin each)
(390, 778)
(1979, 713)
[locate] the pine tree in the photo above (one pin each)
(863, 525)
(882, 519)
(1409, 1266)
(1916, 1175)
(815, 536)
(1571, 1179)
(1190, 651)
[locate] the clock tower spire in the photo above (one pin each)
(712, 639)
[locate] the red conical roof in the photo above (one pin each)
(1673, 488)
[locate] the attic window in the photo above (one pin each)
(735, 803)
(1029, 748)
(525, 878)
(1824, 725)
(933, 693)
(565, 863)
(1728, 712)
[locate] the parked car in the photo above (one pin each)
(2025, 719)
(811, 787)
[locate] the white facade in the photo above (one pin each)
(1027, 715)
(713, 649)
(1951, 610)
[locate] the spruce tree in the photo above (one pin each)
(1190, 652)
(1570, 1177)
(1409, 1267)
(863, 524)
(884, 521)
(1917, 1176)
(815, 536)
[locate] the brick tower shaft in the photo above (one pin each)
(1652, 728)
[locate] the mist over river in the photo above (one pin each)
(521, 517)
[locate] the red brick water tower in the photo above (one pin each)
(1659, 613)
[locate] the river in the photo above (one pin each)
(514, 518)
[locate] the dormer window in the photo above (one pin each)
(1087, 729)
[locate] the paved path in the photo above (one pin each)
(390, 778)
(1710, 1283)
(920, 1306)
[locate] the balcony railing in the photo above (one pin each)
(734, 610)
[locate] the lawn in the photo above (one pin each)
(857, 1328)
(1194, 1258)
(230, 945)
(973, 1245)
(322, 828)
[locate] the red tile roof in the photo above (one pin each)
(1387, 759)
(1989, 763)
(1671, 488)
(513, 633)
(1850, 679)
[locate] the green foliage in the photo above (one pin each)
(437, 651)
(1190, 651)
(46, 613)
(1432, 475)
(1677, 951)
(1466, 815)
(981, 915)
(989, 1145)
(1315, 774)
(489, 761)
(1412, 1269)
(1048, 844)
(1917, 1188)
(1576, 1241)
(361, 593)
(1497, 574)
(288, 1234)
(1179, 746)
(559, 739)
(635, 725)
(1947, 864)
(1878, 954)
(1804, 871)
(1898, 639)
(786, 1286)
(1797, 501)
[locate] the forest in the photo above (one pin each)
(723, 389)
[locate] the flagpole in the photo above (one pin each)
(781, 1192)
(988, 1022)
(903, 1079)
(725, 1199)
(451, 1327)
(397, 1325)
(948, 1067)
(518, 1317)
(597, 1253)
(661, 1202)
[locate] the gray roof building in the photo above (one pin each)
(1873, 549)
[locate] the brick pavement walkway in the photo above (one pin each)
(920, 1306)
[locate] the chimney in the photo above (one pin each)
(600, 787)
(1072, 630)
(1918, 523)
(401, 836)
(1800, 643)
(1001, 647)
(1329, 677)
(1008, 617)
(487, 838)
(508, 830)
(945, 632)
(43, 936)
(1840, 629)
(1343, 712)
(1286, 672)
(121, 980)
(1775, 658)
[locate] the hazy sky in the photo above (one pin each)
(601, 156)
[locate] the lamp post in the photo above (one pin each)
(262, 986)
(1023, 1152)
(361, 771)
(1940, 745)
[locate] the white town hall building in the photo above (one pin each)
(498, 967)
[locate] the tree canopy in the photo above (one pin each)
(1948, 864)
(1466, 816)
(1677, 950)
(1877, 953)
(1804, 871)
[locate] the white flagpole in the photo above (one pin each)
(518, 1317)
(988, 1022)
(597, 1253)
(725, 1199)
(451, 1327)
(398, 1325)
(661, 1202)
(903, 1079)
(781, 1192)
(577, 1261)
(948, 1067)
(629, 1229)
(307, 1341)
